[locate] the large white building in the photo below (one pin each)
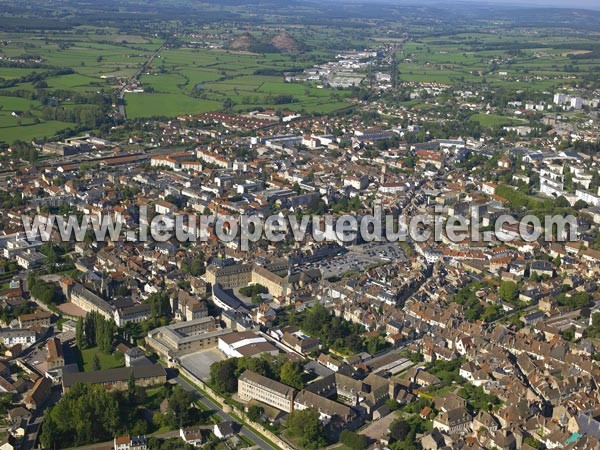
(576, 103)
(245, 343)
(552, 181)
(560, 99)
(252, 386)
(588, 197)
(213, 158)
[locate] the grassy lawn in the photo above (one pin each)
(440, 392)
(85, 359)
(170, 105)
(493, 120)
(73, 273)
(26, 132)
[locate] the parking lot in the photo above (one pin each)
(199, 363)
(385, 251)
(360, 257)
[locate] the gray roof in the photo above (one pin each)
(113, 375)
(267, 383)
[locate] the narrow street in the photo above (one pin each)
(245, 431)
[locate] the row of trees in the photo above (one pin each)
(160, 308)
(94, 331)
(85, 414)
(224, 374)
(89, 413)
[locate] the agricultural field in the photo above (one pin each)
(499, 59)
(167, 105)
(88, 61)
(199, 80)
(85, 61)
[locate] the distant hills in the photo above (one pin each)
(282, 42)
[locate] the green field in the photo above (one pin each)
(86, 357)
(170, 105)
(28, 125)
(98, 58)
(493, 120)
(28, 131)
(481, 57)
(180, 80)
(180, 76)
(192, 79)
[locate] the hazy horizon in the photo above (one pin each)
(574, 4)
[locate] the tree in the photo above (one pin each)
(182, 414)
(253, 289)
(562, 202)
(131, 388)
(477, 398)
(6, 400)
(557, 261)
(255, 413)
(160, 305)
(509, 291)
(222, 376)
(80, 334)
(353, 440)
(45, 292)
(291, 374)
(532, 442)
(197, 266)
(228, 105)
(574, 301)
(96, 362)
(94, 331)
(305, 426)
(399, 429)
(86, 414)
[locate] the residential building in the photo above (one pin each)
(146, 375)
(39, 318)
(455, 421)
(130, 443)
(252, 386)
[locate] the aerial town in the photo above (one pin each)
(228, 339)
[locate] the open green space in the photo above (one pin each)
(169, 105)
(246, 81)
(499, 59)
(28, 131)
(494, 120)
(190, 77)
(85, 359)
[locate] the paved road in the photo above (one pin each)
(35, 424)
(245, 431)
(32, 431)
(121, 92)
